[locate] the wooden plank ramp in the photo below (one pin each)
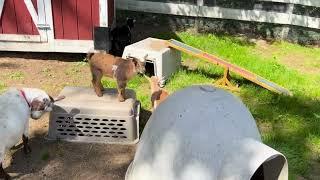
(228, 66)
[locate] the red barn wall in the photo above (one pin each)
(16, 19)
(76, 19)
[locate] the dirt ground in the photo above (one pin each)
(52, 159)
(61, 160)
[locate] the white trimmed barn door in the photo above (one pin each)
(26, 20)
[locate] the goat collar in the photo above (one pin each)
(23, 94)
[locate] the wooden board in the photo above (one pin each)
(69, 18)
(25, 24)
(8, 18)
(315, 3)
(75, 19)
(69, 46)
(16, 19)
(34, 28)
(233, 68)
(95, 16)
(219, 12)
(84, 12)
(57, 19)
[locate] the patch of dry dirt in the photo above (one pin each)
(52, 159)
(300, 63)
(297, 61)
(264, 48)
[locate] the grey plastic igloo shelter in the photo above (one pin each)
(204, 133)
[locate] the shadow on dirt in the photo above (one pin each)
(64, 160)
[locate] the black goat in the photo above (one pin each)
(121, 37)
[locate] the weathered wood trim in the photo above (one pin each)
(68, 46)
(103, 13)
(49, 19)
(1, 7)
(39, 18)
(32, 11)
(19, 38)
(158, 7)
(42, 21)
(285, 30)
(315, 3)
(217, 12)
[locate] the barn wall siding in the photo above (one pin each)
(84, 19)
(8, 19)
(75, 19)
(60, 25)
(16, 19)
(69, 19)
(57, 19)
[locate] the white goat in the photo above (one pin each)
(16, 106)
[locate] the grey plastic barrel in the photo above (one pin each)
(204, 133)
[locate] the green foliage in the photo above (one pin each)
(291, 125)
(16, 75)
(2, 86)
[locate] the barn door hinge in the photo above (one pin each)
(43, 26)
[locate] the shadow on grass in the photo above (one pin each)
(287, 124)
(214, 76)
(237, 39)
(290, 125)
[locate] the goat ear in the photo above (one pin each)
(51, 99)
(135, 61)
(59, 98)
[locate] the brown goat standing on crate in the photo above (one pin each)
(122, 70)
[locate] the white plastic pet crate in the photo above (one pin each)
(165, 60)
(84, 117)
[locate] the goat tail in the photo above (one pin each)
(89, 55)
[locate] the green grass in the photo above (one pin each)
(2, 86)
(75, 68)
(45, 156)
(16, 75)
(288, 48)
(48, 72)
(290, 125)
(287, 52)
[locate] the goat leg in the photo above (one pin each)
(26, 147)
(96, 81)
(3, 174)
(121, 90)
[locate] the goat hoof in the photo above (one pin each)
(121, 99)
(99, 94)
(26, 149)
